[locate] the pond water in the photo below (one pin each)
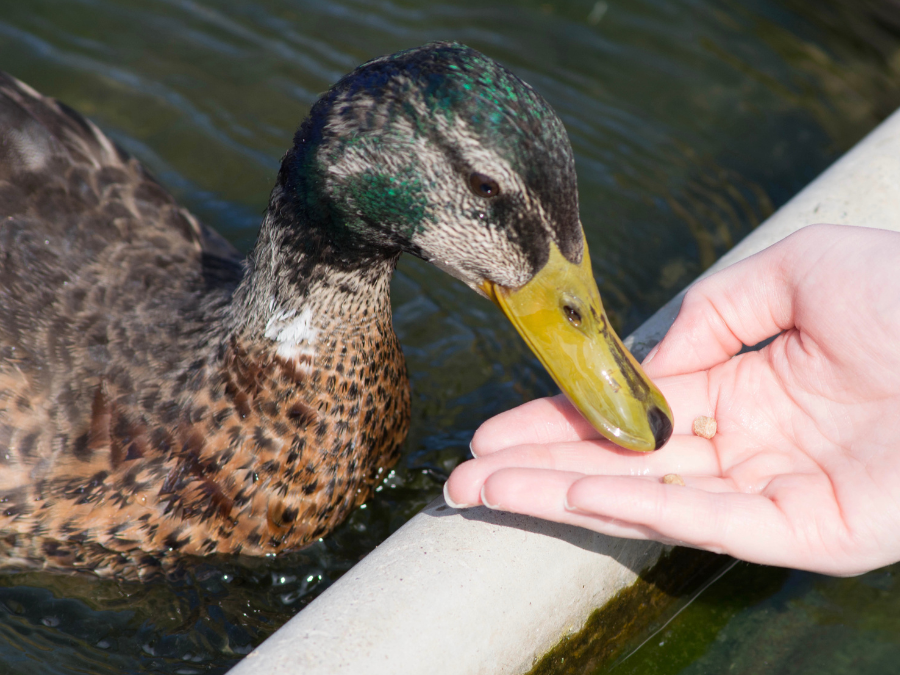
(690, 119)
(768, 621)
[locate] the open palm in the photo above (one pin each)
(805, 468)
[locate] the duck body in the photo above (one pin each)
(161, 397)
(143, 415)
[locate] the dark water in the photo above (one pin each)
(690, 119)
(767, 621)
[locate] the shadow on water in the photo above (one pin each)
(691, 121)
(759, 620)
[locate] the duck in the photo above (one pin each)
(163, 397)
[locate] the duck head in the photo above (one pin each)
(443, 153)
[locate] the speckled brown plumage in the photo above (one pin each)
(135, 423)
(161, 397)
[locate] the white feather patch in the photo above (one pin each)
(294, 333)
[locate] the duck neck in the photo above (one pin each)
(302, 284)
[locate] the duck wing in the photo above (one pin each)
(103, 278)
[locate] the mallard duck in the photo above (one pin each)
(160, 397)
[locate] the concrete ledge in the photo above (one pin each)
(484, 592)
(451, 593)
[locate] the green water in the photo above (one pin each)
(767, 621)
(690, 119)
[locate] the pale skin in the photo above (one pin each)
(804, 470)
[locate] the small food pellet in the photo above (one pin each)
(673, 479)
(704, 427)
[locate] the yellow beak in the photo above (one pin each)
(560, 316)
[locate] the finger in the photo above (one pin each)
(741, 305)
(542, 494)
(683, 455)
(545, 420)
(749, 527)
(556, 420)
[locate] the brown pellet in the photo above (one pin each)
(704, 427)
(673, 479)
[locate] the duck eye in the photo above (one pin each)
(483, 186)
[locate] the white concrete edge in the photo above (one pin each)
(482, 592)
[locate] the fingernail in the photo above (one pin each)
(649, 357)
(569, 507)
(485, 501)
(452, 504)
(472, 450)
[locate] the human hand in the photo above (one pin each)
(804, 471)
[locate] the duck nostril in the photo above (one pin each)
(572, 314)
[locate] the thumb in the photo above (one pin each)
(741, 305)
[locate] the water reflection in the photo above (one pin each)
(768, 620)
(691, 120)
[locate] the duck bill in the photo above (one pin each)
(560, 316)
